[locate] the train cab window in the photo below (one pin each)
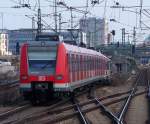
(42, 60)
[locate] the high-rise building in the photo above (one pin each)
(96, 30)
(4, 44)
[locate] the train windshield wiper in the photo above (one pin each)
(45, 65)
(51, 63)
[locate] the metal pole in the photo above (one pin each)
(86, 11)
(136, 18)
(134, 35)
(39, 19)
(55, 15)
(2, 15)
(105, 8)
(122, 36)
(141, 6)
(94, 41)
(33, 28)
(59, 22)
(33, 23)
(71, 18)
(39, 22)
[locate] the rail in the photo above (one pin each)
(119, 119)
(79, 110)
(84, 111)
(148, 99)
(5, 83)
(126, 105)
(14, 110)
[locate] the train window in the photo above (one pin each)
(81, 68)
(85, 62)
(45, 37)
(42, 60)
(74, 58)
(94, 63)
(76, 63)
(100, 63)
(97, 62)
(79, 62)
(73, 63)
(70, 63)
(89, 63)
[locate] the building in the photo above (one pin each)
(18, 37)
(96, 31)
(4, 42)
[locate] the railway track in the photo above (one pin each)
(52, 110)
(9, 92)
(148, 100)
(23, 109)
(55, 113)
(117, 119)
(9, 85)
(14, 110)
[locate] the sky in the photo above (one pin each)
(14, 18)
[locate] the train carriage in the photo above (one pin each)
(59, 68)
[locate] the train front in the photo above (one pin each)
(37, 70)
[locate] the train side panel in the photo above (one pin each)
(24, 77)
(61, 75)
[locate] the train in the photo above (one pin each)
(49, 68)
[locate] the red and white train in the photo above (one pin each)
(59, 68)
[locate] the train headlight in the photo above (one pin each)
(24, 77)
(59, 77)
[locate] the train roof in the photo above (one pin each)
(70, 48)
(77, 49)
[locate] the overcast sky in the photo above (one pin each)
(14, 18)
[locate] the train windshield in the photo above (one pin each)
(42, 60)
